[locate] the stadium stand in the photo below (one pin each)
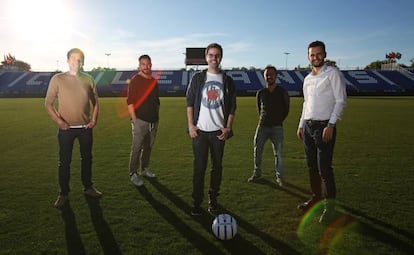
(174, 82)
(402, 77)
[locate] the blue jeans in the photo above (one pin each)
(275, 134)
(66, 140)
(204, 142)
(319, 160)
(143, 138)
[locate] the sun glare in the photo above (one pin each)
(40, 20)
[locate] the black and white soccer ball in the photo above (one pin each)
(224, 226)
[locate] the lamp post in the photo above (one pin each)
(107, 59)
(286, 53)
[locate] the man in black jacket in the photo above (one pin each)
(211, 105)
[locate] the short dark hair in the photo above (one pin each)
(145, 56)
(317, 44)
(270, 67)
(214, 45)
(76, 50)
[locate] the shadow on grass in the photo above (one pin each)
(192, 236)
(287, 188)
(305, 191)
(280, 246)
(350, 222)
(105, 236)
(73, 239)
(237, 245)
(381, 231)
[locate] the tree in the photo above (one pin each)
(10, 63)
(375, 65)
(22, 66)
(306, 68)
(330, 62)
(102, 69)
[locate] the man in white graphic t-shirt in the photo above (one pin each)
(211, 105)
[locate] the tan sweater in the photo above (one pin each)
(74, 94)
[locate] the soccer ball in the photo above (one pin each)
(224, 226)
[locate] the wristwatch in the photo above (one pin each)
(331, 125)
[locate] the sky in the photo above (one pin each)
(252, 33)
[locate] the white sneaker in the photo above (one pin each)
(136, 180)
(280, 181)
(146, 172)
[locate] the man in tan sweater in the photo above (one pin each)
(75, 92)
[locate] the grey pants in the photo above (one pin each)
(143, 138)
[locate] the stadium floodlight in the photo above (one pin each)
(286, 53)
(107, 59)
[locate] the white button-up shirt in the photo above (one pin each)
(324, 96)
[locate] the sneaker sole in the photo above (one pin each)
(138, 185)
(60, 205)
(255, 179)
(141, 183)
(93, 196)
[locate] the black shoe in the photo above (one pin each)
(212, 209)
(213, 206)
(196, 211)
(308, 204)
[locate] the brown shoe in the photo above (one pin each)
(308, 204)
(254, 178)
(61, 201)
(92, 192)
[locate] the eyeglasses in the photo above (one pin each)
(214, 55)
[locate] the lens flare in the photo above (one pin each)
(310, 231)
(121, 106)
(334, 233)
(306, 220)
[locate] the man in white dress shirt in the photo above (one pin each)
(324, 93)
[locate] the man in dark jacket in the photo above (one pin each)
(211, 105)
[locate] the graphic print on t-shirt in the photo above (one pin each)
(211, 116)
(212, 94)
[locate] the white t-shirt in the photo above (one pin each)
(211, 117)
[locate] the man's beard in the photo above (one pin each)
(319, 64)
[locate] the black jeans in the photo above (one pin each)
(204, 142)
(319, 160)
(66, 140)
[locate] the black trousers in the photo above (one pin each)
(319, 156)
(202, 144)
(66, 139)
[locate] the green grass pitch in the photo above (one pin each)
(373, 164)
